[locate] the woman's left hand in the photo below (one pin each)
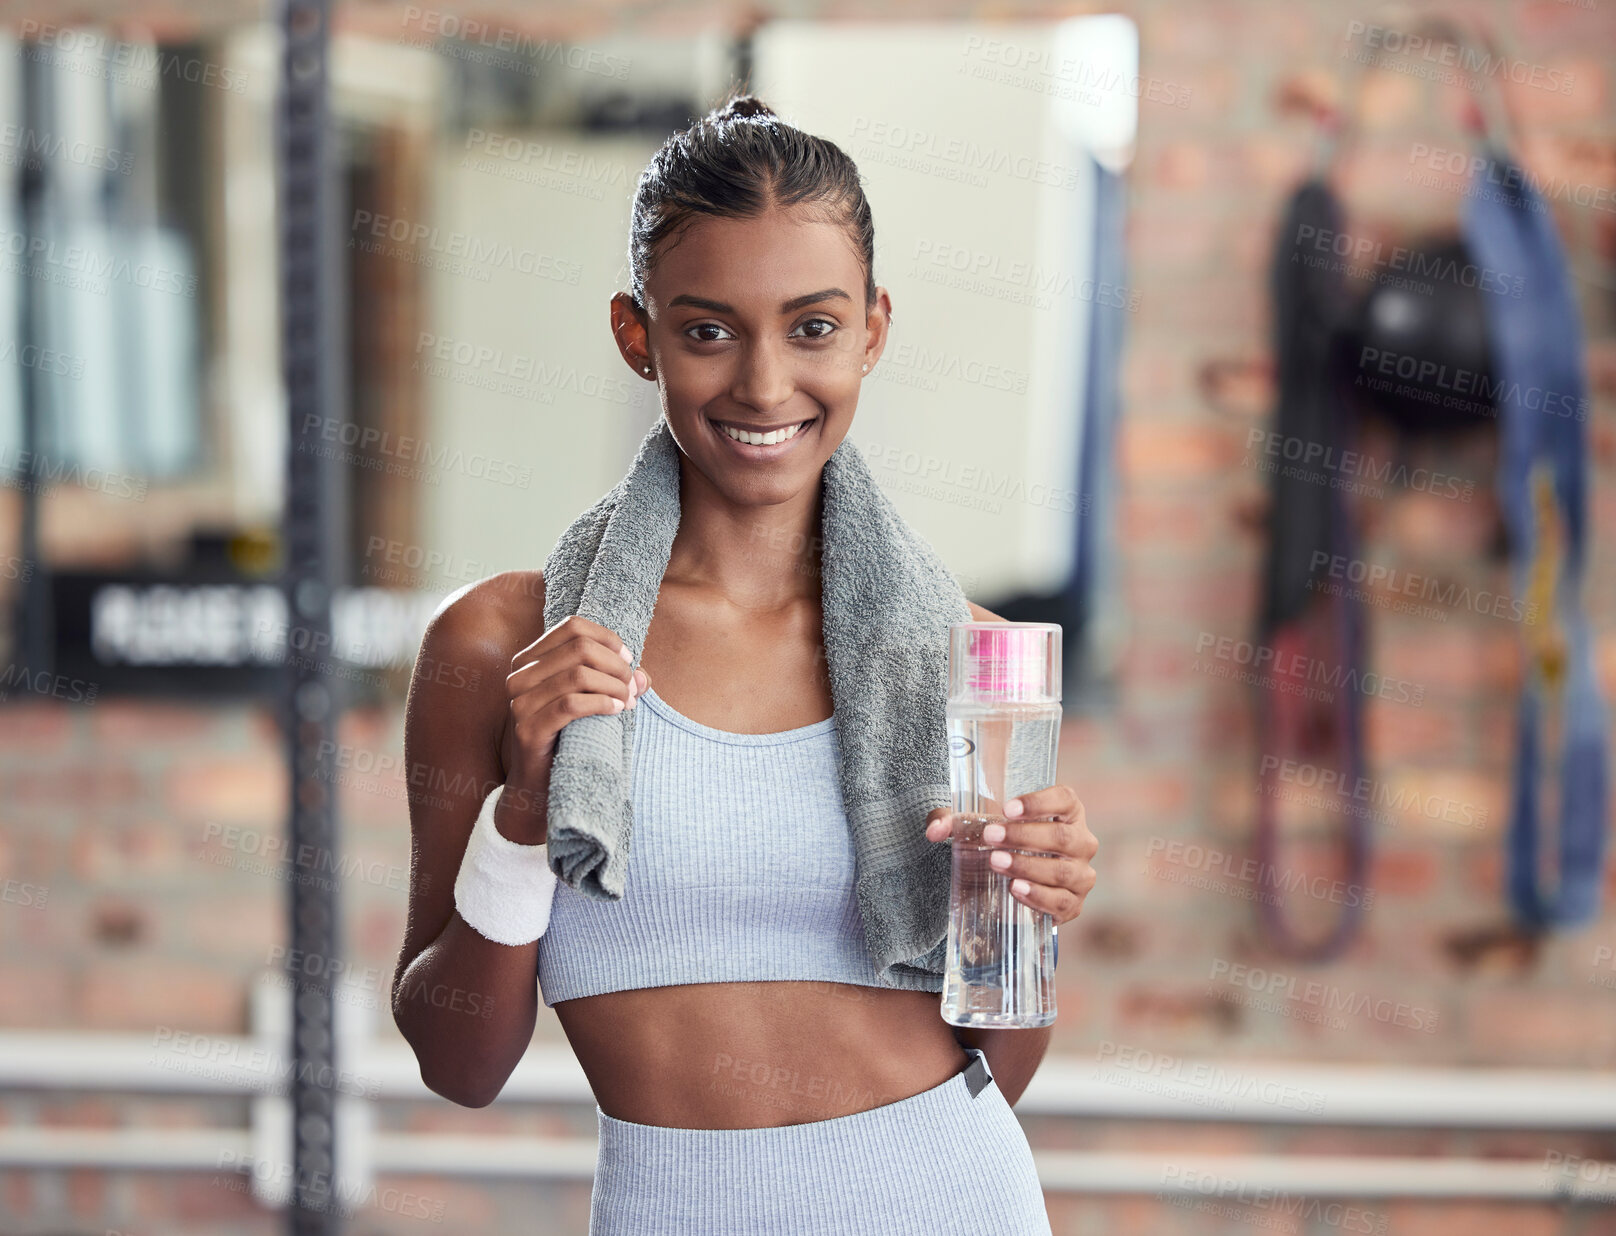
(1051, 819)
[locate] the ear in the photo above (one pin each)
(877, 322)
(629, 330)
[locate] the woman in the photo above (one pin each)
(793, 1103)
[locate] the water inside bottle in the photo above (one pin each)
(1001, 951)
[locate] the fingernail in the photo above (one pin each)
(993, 832)
(1000, 859)
(627, 655)
(1013, 807)
(617, 705)
(1020, 888)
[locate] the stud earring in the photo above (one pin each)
(866, 368)
(645, 369)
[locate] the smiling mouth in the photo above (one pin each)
(753, 437)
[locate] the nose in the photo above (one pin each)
(763, 378)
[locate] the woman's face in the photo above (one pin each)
(756, 326)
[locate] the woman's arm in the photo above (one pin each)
(1013, 1055)
(466, 1005)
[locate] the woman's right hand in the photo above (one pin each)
(574, 669)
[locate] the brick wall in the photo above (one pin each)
(142, 820)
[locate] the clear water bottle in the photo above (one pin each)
(1004, 715)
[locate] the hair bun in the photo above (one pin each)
(743, 105)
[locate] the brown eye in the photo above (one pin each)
(820, 334)
(706, 326)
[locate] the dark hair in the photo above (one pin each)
(736, 162)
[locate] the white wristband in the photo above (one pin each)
(504, 888)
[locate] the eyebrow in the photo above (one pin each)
(796, 302)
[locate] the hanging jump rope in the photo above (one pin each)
(1535, 340)
(1308, 711)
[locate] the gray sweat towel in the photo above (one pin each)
(888, 603)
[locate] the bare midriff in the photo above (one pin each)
(758, 1055)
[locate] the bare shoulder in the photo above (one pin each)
(488, 621)
(457, 688)
(978, 614)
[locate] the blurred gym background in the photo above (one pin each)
(1270, 348)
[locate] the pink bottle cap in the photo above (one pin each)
(1005, 660)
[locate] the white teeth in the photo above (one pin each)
(762, 439)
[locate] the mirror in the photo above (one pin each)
(486, 176)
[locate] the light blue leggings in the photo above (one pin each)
(949, 1161)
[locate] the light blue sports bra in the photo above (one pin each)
(740, 868)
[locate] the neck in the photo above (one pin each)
(754, 557)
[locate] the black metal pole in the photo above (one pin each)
(33, 647)
(309, 699)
